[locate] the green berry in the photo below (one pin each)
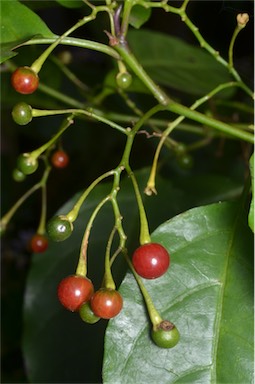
(18, 175)
(22, 113)
(166, 335)
(87, 314)
(185, 161)
(180, 149)
(124, 80)
(59, 228)
(26, 164)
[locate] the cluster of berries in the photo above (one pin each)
(76, 293)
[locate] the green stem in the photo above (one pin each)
(108, 279)
(72, 215)
(150, 188)
(89, 113)
(42, 223)
(37, 64)
(128, 4)
(231, 47)
(69, 74)
(60, 96)
(219, 125)
(115, 206)
(75, 42)
(130, 60)
(36, 153)
(152, 311)
(82, 263)
(8, 216)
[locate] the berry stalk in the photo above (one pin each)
(82, 263)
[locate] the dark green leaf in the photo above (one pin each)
(66, 345)
(71, 3)
(139, 15)
(173, 63)
(207, 293)
(251, 211)
(18, 24)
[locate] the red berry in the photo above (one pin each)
(106, 303)
(74, 290)
(151, 260)
(60, 159)
(38, 243)
(24, 80)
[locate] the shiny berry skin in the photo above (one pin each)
(106, 303)
(60, 159)
(87, 315)
(26, 164)
(24, 80)
(38, 243)
(166, 335)
(151, 260)
(59, 228)
(74, 290)
(22, 113)
(124, 80)
(18, 175)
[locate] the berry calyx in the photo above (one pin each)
(24, 80)
(18, 175)
(38, 243)
(74, 290)
(124, 80)
(22, 113)
(165, 335)
(87, 315)
(151, 260)
(26, 164)
(106, 303)
(60, 159)
(59, 228)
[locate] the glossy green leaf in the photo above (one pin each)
(139, 15)
(18, 24)
(174, 63)
(208, 294)
(251, 211)
(70, 349)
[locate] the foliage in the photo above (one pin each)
(166, 158)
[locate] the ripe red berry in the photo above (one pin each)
(106, 303)
(60, 159)
(38, 243)
(24, 80)
(151, 260)
(74, 290)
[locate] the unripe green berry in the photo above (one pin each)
(26, 164)
(87, 315)
(124, 80)
(59, 228)
(22, 113)
(185, 161)
(18, 175)
(166, 335)
(180, 149)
